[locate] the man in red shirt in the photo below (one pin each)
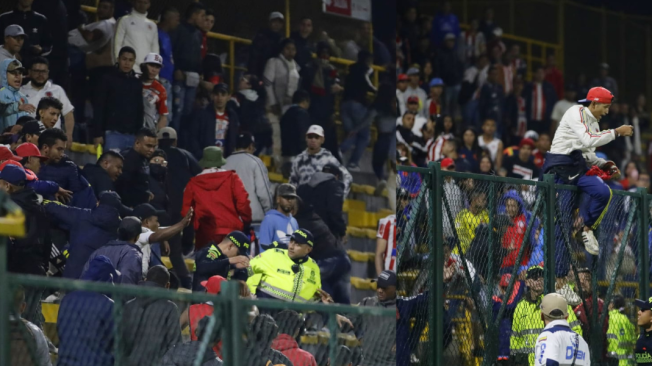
(290, 324)
(206, 27)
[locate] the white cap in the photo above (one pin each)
(498, 31)
(316, 130)
(276, 15)
(153, 58)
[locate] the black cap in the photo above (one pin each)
(112, 199)
(386, 279)
(286, 190)
(245, 139)
(643, 304)
(240, 240)
(32, 127)
(130, 227)
(145, 210)
(302, 236)
(534, 273)
(220, 88)
(332, 169)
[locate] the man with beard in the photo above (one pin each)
(278, 224)
(40, 87)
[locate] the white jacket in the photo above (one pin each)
(138, 32)
(558, 343)
(579, 130)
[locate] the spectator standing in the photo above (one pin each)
(324, 193)
(294, 125)
(522, 165)
(39, 40)
(25, 335)
(605, 81)
(554, 76)
(444, 23)
(85, 320)
(413, 87)
(13, 104)
(253, 173)
(168, 23)
(150, 326)
(218, 259)
(383, 113)
(570, 99)
(513, 238)
(281, 79)
(474, 78)
(278, 224)
(314, 158)
(48, 112)
(386, 245)
(136, 31)
(450, 68)
(124, 252)
(401, 92)
(14, 40)
(515, 116)
(215, 125)
(119, 88)
(205, 27)
(474, 43)
(103, 174)
(40, 87)
(186, 47)
(155, 99)
(219, 199)
(249, 103)
(322, 81)
(290, 326)
(470, 218)
(60, 169)
(158, 173)
(540, 98)
(360, 42)
(89, 229)
(265, 44)
(133, 184)
(305, 47)
(584, 311)
(518, 64)
(492, 99)
(487, 25)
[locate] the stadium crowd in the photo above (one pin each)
(180, 176)
(464, 102)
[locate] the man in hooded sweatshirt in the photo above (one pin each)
(89, 228)
(85, 320)
(278, 224)
(325, 193)
(290, 324)
(219, 199)
(13, 103)
(184, 354)
(515, 234)
(150, 326)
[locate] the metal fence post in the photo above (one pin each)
(436, 317)
(4, 304)
(549, 234)
(643, 248)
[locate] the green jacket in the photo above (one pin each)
(621, 338)
(526, 327)
(271, 275)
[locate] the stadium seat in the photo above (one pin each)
(190, 263)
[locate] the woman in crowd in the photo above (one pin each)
(470, 149)
(444, 130)
(485, 165)
(631, 176)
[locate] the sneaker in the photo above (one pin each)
(590, 242)
(353, 168)
(380, 187)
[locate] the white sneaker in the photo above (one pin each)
(590, 242)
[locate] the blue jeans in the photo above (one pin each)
(451, 93)
(352, 114)
(168, 89)
(360, 139)
(184, 98)
(336, 278)
(117, 141)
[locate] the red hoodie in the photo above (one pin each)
(221, 205)
(289, 347)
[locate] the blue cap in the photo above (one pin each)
(436, 82)
(13, 174)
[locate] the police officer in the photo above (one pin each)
(218, 259)
(644, 342)
(558, 344)
(621, 334)
(286, 274)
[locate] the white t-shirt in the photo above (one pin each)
(144, 245)
(49, 90)
(107, 27)
(560, 108)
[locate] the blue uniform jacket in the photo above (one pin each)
(127, 259)
(67, 175)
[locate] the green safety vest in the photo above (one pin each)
(271, 273)
(621, 338)
(527, 325)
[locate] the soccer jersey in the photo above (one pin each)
(221, 128)
(387, 231)
(155, 103)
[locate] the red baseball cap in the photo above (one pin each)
(30, 174)
(28, 149)
(599, 95)
(447, 162)
(6, 154)
(214, 284)
(523, 143)
(413, 99)
(504, 279)
(402, 77)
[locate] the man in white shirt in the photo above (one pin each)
(414, 88)
(570, 96)
(136, 31)
(40, 87)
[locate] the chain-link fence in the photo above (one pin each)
(500, 244)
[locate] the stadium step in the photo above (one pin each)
(367, 178)
(362, 264)
(361, 288)
(190, 263)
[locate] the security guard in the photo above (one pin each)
(558, 344)
(286, 274)
(218, 259)
(621, 335)
(644, 342)
(527, 323)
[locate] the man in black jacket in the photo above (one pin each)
(265, 44)
(325, 193)
(450, 67)
(215, 125)
(103, 174)
(305, 47)
(133, 184)
(186, 47)
(294, 125)
(38, 41)
(119, 106)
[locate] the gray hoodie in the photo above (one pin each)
(253, 173)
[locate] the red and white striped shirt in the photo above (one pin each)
(508, 72)
(434, 147)
(538, 102)
(387, 231)
(521, 121)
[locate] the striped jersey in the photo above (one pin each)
(387, 231)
